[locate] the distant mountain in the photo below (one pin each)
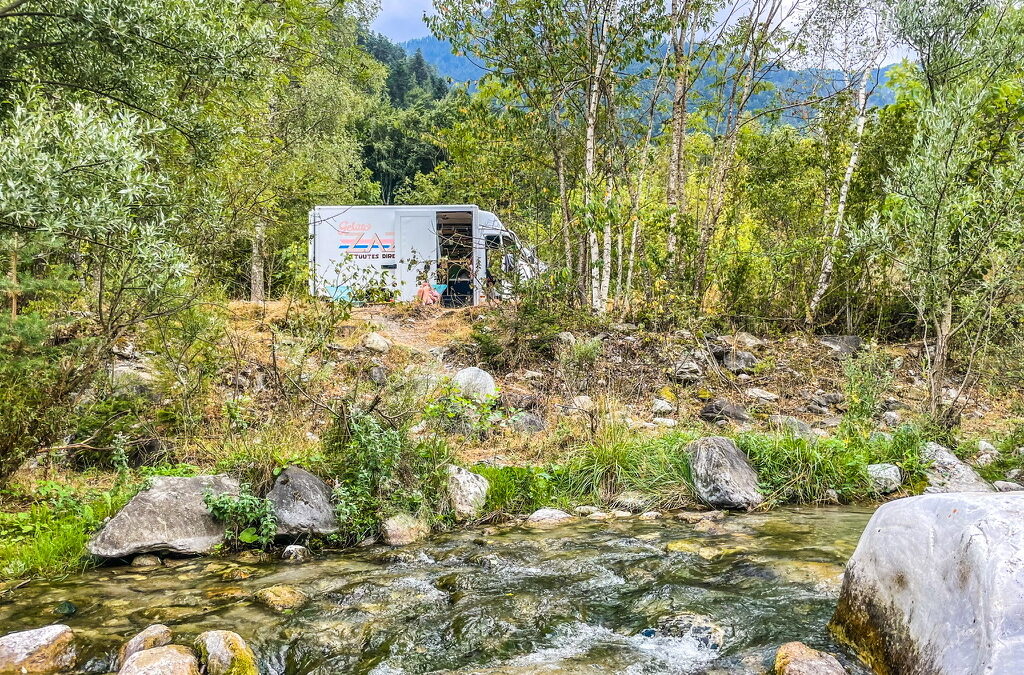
(439, 54)
(461, 69)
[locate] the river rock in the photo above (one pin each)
(474, 383)
(948, 474)
(686, 370)
(225, 653)
(302, 504)
(281, 598)
(632, 501)
(796, 658)
(936, 585)
(376, 343)
(1007, 486)
(170, 515)
(146, 560)
(722, 475)
(547, 517)
(700, 629)
(468, 492)
(885, 478)
(154, 636)
(167, 660)
(720, 409)
(50, 649)
(403, 528)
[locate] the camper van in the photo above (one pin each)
(385, 253)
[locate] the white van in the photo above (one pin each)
(384, 253)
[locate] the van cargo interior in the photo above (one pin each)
(455, 257)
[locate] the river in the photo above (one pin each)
(624, 596)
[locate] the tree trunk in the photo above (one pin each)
(590, 148)
(827, 265)
(257, 281)
(943, 325)
(676, 188)
(13, 275)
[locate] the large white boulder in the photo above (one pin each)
(468, 492)
(50, 649)
(475, 383)
(936, 586)
(948, 474)
(170, 515)
(722, 475)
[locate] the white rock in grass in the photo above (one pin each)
(665, 422)
(761, 394)
(376, 343)
(662, 407)
(948, 474)
(475, 383)
(885, 478)
(468, 492)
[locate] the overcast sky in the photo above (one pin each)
(402, 20)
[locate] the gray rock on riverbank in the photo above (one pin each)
(302, 504)
(170, 515)
(468, 492)
(936, 585)
(722, 475)
(948, 474)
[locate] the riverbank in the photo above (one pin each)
(578, 420)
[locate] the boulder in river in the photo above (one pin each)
(156, 635)
(167, 660)
(474, 383)
(796, 658)
(402, 529)
(296, 553)
(225, 653)
(302, 504)
(281, 598)
(170, 515)
(722, 475)
(948, 474)
(50, 649)
(548, 518)
(936, 585)
(468, 492)
(720, 409)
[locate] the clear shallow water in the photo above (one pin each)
(623, 596)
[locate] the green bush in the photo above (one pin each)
(48, 539)
(380, 471)
(518, 489)
(250, 519)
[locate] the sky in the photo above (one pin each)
(402, 20)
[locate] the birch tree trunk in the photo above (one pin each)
(257, 277)
(676, 188)
(828, 263)
(590, 149)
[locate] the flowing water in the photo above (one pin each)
(623, 596)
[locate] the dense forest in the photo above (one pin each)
(819, 168)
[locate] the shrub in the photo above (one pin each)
(453, 413)
(250, 519)
(379, 471)
(518, 489)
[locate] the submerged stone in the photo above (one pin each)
(796, 658)
(548, 517)
(281, 598)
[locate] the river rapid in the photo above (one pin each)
(623, 596)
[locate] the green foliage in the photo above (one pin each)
(378, 471)
(451, 412)
(868, 376)
(515, 489)
(48, 539)
(793, 469)
(249, 519)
